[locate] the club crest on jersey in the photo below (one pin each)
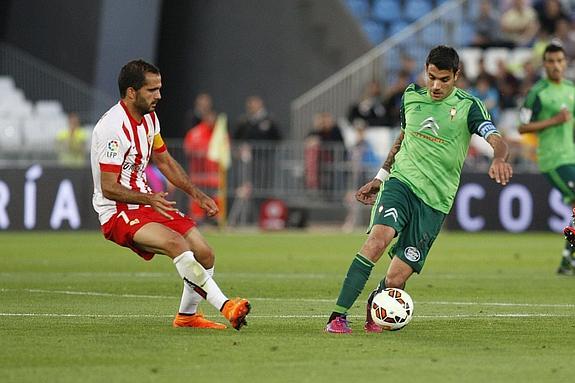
(112, 148)
(429, 124)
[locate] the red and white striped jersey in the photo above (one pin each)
(124, 146)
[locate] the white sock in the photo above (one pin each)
(195, 276)
(191, 299)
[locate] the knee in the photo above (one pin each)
(175, 244)
(204, 255)
(395, 280)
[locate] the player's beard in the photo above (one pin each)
(143, 106)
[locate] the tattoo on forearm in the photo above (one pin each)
(391, 156)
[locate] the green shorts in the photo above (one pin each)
(415, 223)
(563, 179)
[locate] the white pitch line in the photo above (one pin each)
(294, 316)
(310, 300)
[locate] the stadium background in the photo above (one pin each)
(280, 50)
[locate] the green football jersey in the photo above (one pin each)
(435, 143)
(545, 100)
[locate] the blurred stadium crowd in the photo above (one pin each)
(500, 43)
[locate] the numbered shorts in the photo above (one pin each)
(122, 227)
(563, 179)
(416, 224)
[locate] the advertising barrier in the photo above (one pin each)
(43, 198)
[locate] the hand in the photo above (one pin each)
(368, 192)
(500, 171)
(209, 205)
(562, 116)
(160, 204)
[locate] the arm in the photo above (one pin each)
(178, 177)
(116, 192)
(367, 193)
(535, 126)
(499, 170)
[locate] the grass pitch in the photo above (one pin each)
(488, 307)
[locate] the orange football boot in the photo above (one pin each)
(196, 320)
(236, 310)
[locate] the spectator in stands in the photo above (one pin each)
(488, 93)
(565, 33)
(257, 124)
(393, 97)
(508, 86)
(71, 143)
(202, 105)
(370, 108)
(519, 24)
(486, 25)
(548, 111)
(203, 172)
(324, 148)
(364, 161)
(258, 134)
(549, 12)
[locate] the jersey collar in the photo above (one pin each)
(132, 120)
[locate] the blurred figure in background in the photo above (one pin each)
(258, 134)
(71, 144)
(370, 108)
(486, 26)
(202, 106)
(548, 111)
(393, 97)
(324, 149)
(519, 24)
(203, 172)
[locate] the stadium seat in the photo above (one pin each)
(359, 8)
(433, 34)
(6, 86)
(48, 108)
(375, 31)
(397, 26)
(415, 9)
(386, 10)
(464, 34)
(10, 134)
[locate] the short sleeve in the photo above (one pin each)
(531, 108)
(111, 146)
(479, 120)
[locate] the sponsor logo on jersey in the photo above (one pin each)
(412, 254)
(429, 124)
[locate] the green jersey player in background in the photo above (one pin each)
(548, 112)
(415, 188)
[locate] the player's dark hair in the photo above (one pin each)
(133, 75)
(552, 48)
(444, 58)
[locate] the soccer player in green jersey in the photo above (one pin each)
(548, 112)
(415, 188)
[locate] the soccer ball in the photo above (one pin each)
(392, 309)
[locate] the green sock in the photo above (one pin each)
(354, 282)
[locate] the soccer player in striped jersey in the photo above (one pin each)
(548, 112)
(415, 188)
(124, 141)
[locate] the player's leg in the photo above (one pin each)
(563, 179)
(188, 315)
(358, 274)
(388, 216)
(157, 238)
(409, 252)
